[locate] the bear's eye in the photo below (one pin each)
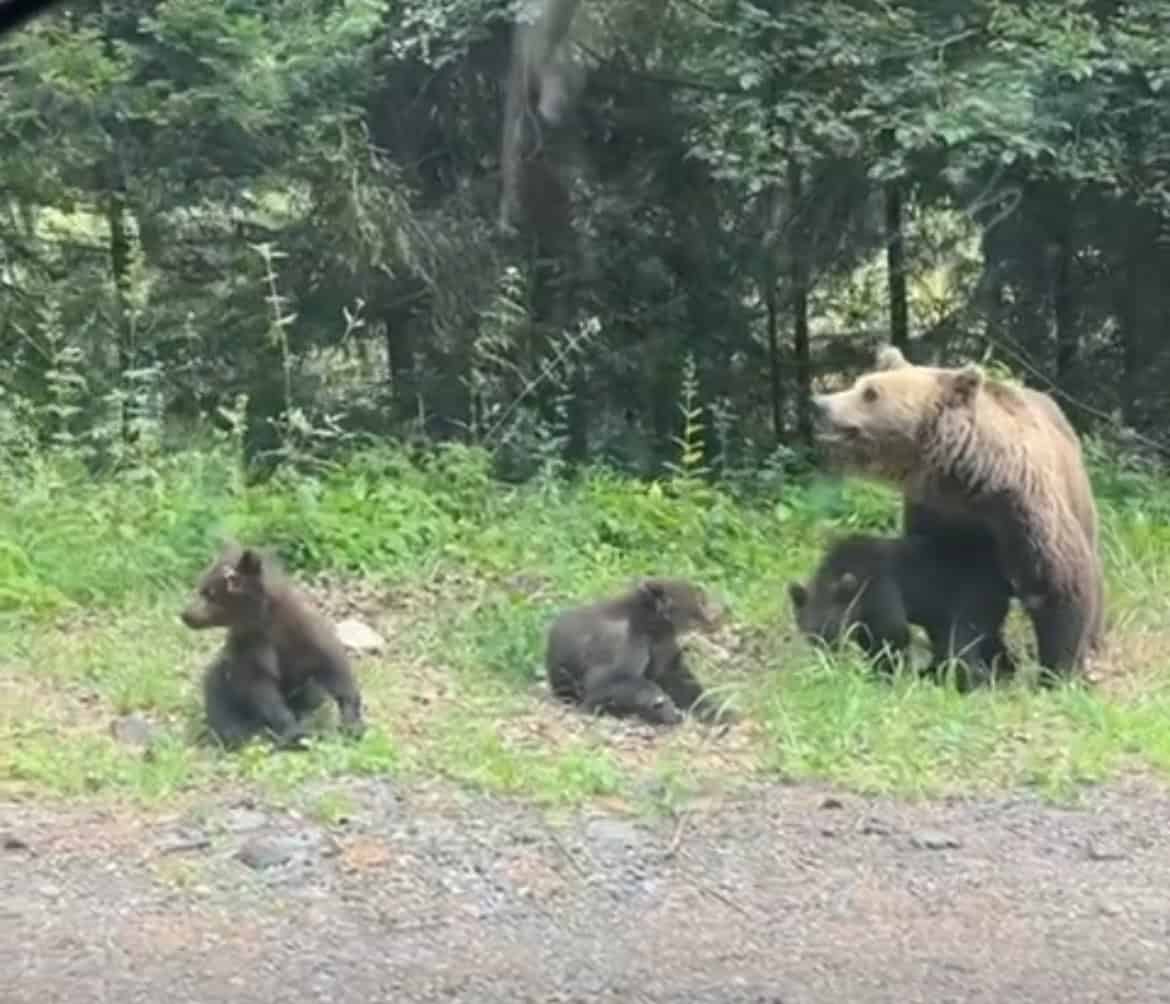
(869, 395)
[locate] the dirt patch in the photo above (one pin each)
(549, 725)
(418, 696)
(428, 600)
(73, 707)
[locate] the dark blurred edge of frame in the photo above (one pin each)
(13, 13)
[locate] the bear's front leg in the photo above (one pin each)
(1062, 626)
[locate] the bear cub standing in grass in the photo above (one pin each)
(622, 655)
(871, 589)
(281, 658)
(972, 452)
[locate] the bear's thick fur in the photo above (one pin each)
(975, 457)
(871, 589)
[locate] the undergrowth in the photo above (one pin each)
(461, 574)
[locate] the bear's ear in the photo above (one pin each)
(845, 587)
(890, 358)
(250, 564)
(965, 384)
(798, 594)
(654, 594)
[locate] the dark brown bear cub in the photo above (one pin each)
(622, 655)
(281, 658)
(871, 589)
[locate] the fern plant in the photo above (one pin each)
(690, 471)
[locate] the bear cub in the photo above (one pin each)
(622, 656)
(281, 658)
(871, 589)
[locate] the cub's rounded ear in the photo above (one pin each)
(653, 593)
(965, 383)
(845, 587)
(798, 594)
(890, 357)
(250, 563)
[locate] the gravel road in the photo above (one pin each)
(782, 895)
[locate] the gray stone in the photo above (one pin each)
(183, 840)
(134, 730)
(359, 637)
(268, 852)
(11, 842)
(1104, 850)
(934, 840)
(607, 830)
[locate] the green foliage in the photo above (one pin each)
(921, 739)
(152, 151)
(473, 570)
(238, 247)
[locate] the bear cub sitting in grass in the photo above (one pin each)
(280, 660)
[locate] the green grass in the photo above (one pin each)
(461, 574)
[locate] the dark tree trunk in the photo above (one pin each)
(896, 268)
(799, 302)
(120, 270)
(399, 315)
(1062, 308)
(1131, 335)
(574, 362)
(1138, 242)
(774, 361)
(771, 245)
(578, 445)
(266, 403)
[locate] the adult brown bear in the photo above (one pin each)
(972, 456)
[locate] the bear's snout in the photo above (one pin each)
(822, 409)
(827, 418)
(196, 617)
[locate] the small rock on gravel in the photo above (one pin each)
(934, 840)
(613, 831)
(268, 852)
(873, 826)
(134, 730)
(11, 842)
(183, 840)
(271, 849)
(1103, 850)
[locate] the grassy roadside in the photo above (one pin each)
(461, 575)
